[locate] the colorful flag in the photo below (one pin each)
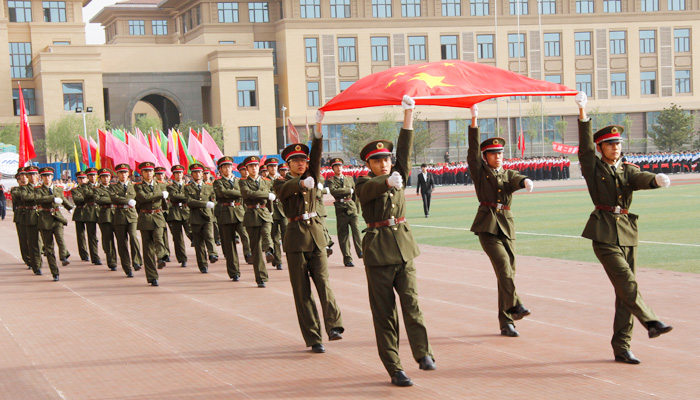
(197, 151)
(116, 150)
(118, 134)
(139, 152)
(77, 161)
(172, 150)
(84, 150)
(292, 133)
(182, 153)
(521, 143)
(26, 142)
(94, 149)
(211, 146)
(162, 159)
(163, 141)
(564, 148)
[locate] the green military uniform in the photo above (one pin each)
(323, 213)
(243, 233)
(18, 212)
(178, 217)
(151, 222)
(105, 218)
(494, 225)
(85, 217)
(201, 216)
(389, 250)
(124, 221)
(279, 222)
(30, 221)
(304, 244)
(51, 221)
(166, 239)
(342, 189)
(229, 213)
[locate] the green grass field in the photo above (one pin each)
(667, 216)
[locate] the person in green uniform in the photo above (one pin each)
(279, 219)
(389, 249)
(493, 222)
(208, 178)
(178, 214)
(613, 229)
(160, 178)
(125, 219)
(200, 200)
(304, 243)
(31, 219)
(230, 212)
(105, 217)
(342, 189)
(149, 197)
(323, 213)
(48, 199)
(257, 193)
(86, 215)
(241, 232)
(18, 211)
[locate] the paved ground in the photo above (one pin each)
(99, 335)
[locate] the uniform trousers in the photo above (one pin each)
(121, 232)
(314, 265)
(381, 282)
(326, 234)
(501, 252)
(87, 248)
(245, 241)
(166, 242)
(279, 226)
(260, 241)
(203, 243)
(22, 236)
(108, 247)
(228, 247)
(153, 250)
(34, 246)
(346, 224)
(48, 236)
(176, 229)
(619, 264)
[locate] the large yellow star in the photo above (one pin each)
(400, 73)
(430, 80)
(389, 84)
(448, 64)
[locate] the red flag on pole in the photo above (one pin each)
(84, 148)
(521, 143)
(26, 143)
(292, 133)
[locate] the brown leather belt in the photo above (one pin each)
(305, 216)
(497, 206)
(232, 204)
(109, 206)
(48, 209)
(343, 200)
(28, 207)
(388, 222)
(119, 206)
(150, 211)
(178, 204)
(614, 210)
(257, 206)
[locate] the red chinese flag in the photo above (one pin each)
(521, 144)
(84, 150)
(292, 134)
(26, 142)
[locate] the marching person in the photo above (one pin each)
(214, 223)
(125, 220)
(613, 229)
(105, 218)
(149, 199)
(230, 214)
(493, 222)
(304, 243)
(31, 219)
(240, 229)
(279, 219)
(178, 214)
(323, 213)
(85, 215)
(342, 189)
(389, 249)
(160, 178)
(200, 200)
(425, 186)
(18, 215)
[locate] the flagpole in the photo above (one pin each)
(284, 126)
(539, 21)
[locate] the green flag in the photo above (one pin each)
(119, 135)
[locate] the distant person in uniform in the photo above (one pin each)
(149, 199)
(161, 178)
(230, 214)
(240, 229)
(425, 187)
(178, 214)
(105, 219)
(125, 220)
(49, 198)
(200, 200)
(346, 211)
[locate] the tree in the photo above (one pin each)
(216, 131)
(147, 124)
(600, 119)
(533, 123)
(423, 137)
(561, 126)
(9, 134)
(355, 138)
(627, 123)
(459, 136)
(673, 128)
(64, 132)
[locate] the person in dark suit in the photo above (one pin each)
(425, 186)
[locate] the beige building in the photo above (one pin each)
(239, 63)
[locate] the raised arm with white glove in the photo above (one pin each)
(318, 133)
(308, 182)
(165, 194)
(663, 180)
(408, 103)
(581, 99)
(529, 185)
(395, 180)
(58, 200)
(271, 196)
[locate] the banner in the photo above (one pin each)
(564, 149)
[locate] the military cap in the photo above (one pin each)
(194, 167)
(377, 149)
(251, 160)
(177, 168)
(122, 168)
(21, 171)
(337, 161)
(271, 161)
(207, 170)
(494, 145)
(146, 165)
(46, 171)
(610, 134)
(160, 170)
(31, 170)
(106, 171)
(240, 166)
(295, 150)
(225, 160)
(80, 174)
(91, 171)
(283, 167)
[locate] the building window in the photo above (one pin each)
(582, 41)
(227, 42)
(345, 84)
(648, 79)
(551, 45)
(72, 96)
(479, 8)
(676, 5)
(681, 40)
(547, 7)
(487, 127)
(19, 11)
(612, 6)
(312, 94)
(584, 6)
(583, 84)
(518, 7)
(346, 50)
(311, 45)
(30, 101)
(647, 42)
(381, 8)
(617, 42)
(21, 60)
(451, 8)
(410, 8)
(159, 27)
(650, 5)
(340, 8)
(448, 47)
(484, 46)
(416, 48)
(246, 93)
(269, 45)
(380, 48)
(54, 11)
(228, 12)
(61, 43)
(618, 84)
(682, 81)
(333, 137)
(553, 79)
(516, 45)
(258, 12)
(310, 8)
(249, 138)
(137, 28)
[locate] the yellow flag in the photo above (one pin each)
(77, 160)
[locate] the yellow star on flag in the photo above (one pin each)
(389, 84)
(400, 73)
(448, 64)
(430, 80)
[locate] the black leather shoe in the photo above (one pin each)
(204, 270)
(84, 259)
(238, 240)
(279, 267)
(627, 357)
(129, 274)
(427, 363)
(97, 262)
(137, 267)
(64, 262)
(248, 258)
(335, 334)
(183, 264)
(218, 243)
(38, 272)
(261, 284)
(509, 330)
(213, 259)
(154, 282)
(349, 264)
(236, 278)
(401, 379)
(167, 258)
(161, 263)
(55, 278)
(329, 251)
(113, 268)
(318, 348)
(361, 255)
(519, 312)
(657, 328)
(269, 256)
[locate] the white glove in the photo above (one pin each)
(165, 194)
(395, 180)
(131, 203)
(663, 180)
(271, 196)
(71, 211)
(352, 191)
(319, 116)
(475, 110)
(210, 205)
(408, 103)
(529, 185)
(58, 200)
(308, 182)
(320, 186)
(581, 99)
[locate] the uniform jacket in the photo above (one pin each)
(178, 210)
(86, 210)
(256, 192)
(123, 214)
(103, 198)
(612, 189)
(228, 191)
(388, 245)
(493, 187)
(17, 204)
(49, 213)
(302, 235)
(149, 199)
(197, 200)
(340, 188)
(277, 208)
(26, 196)
(425, 185)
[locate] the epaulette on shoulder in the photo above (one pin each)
(188, 183)
(219, 178)
(243, 179)
(208, 183)
(634, 165)
(137, 183)
(267, 179)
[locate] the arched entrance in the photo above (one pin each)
(166, 108)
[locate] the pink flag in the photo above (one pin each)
(93, 148)
(292, 133)
(142, 138)
(209, 144)
(138, 153)
(197, 150)
(162, 159)
(115, 149)
(172, 148)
